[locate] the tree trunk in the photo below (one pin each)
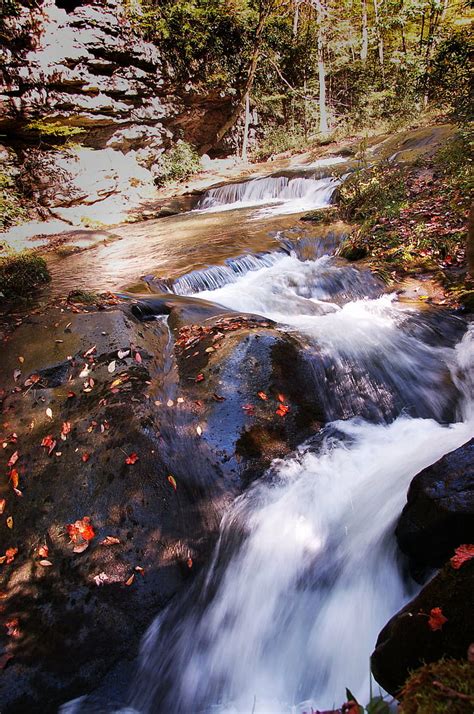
(470, 244)
(296, 18)
(364, 50)
(245, 140)
(323, 112)
(379, 37)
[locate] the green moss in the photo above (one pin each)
(444, 687)
(53, 129)
(371, 191)
(86, 297)
(321, 215)
(21, 273)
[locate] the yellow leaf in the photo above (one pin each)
(10, 522)
(172, 481)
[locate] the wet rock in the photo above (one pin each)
(95, 389)
(439, 514)
(408, 641)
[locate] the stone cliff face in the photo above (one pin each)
(79, 65)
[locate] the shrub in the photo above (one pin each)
(53, 129)
(21, 273)
(279, 139)
(178, 163)
(11, 210)
(368, 192)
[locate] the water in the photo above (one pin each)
(306, 570)
(290, 195)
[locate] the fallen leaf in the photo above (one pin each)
(3, 503)
(109, 540)
(138, 358)
(84, 372)
(248, 408)
(172, 481)
(200, 377)
(436, 619)
(85, 457)
(13, 459)
(100, 579)
(111, 367)
(262, 396)
(16, 375)
(123, 353)
(189, 562)
(130, 580)
(282, 410)
(45, 563)
(14, 478)
(49, 443)
(21, 360)
(132, 459)
(90, 351)
(49, 413)
(80, 533)
(71, 395)
(199, 430)
(65, 430)
(169, 403)
(43, 551)
(281, 398)
(10, 554)
(10, 522)
(180, 400)
(462, 554)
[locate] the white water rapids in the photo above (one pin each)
(306, 571)
(279, 195)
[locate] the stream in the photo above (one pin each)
(306, 570)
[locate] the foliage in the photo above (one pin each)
(53, 130)
(11, 210)
(21, 273)
(444, 687)
(277, 140)
(178, 163)
(368, 192)
(450, 75)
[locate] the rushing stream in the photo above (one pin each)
(306, 570)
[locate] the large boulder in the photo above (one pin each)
(439, 514)
(132, 441)
(419, 633)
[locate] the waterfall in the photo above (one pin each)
(290, 195)
(306, 570)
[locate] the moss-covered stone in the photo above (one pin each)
(21, 273)
(444, 687)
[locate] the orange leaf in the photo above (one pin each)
(80, 530)
(132, 459)
(14, 478)
(3, 503)
(462, 554)
(85, 457)
(43, 551)
(200, 377)
(282, 410)
(172, 481)
(189, 562)
(262, 396)
(49, 443)
(437, 619)
(281, 398)
(130, 580)
(109, 540)
(10, 554)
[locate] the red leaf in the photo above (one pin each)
(132, 459)
(281, 398)
(10, 553)
(200, 377)
(462, 554)
(172, 481)
(49, 443)
(282, 410)
(43, 551)
(248, 408)
(262, 396)
(14, 478)
(437, 619)
(138, 358)
(85, 457)
(80, 530)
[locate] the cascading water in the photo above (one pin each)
(306, 570)
(291, 195)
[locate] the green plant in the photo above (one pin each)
(178, 163)
(279, 139)
(443, 687)
(368, 192)
(53, 129)
(11, 210)
(21, 273)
